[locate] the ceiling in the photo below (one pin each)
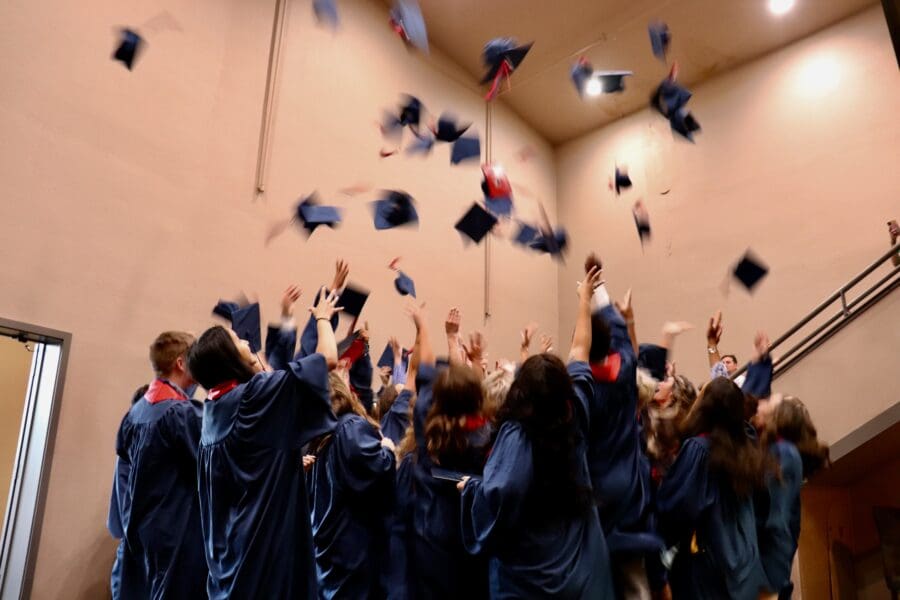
(708, 37)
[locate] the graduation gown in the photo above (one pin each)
(395, 422)
(351, 488)
(691, 502)
(253, 499)
(438, 564)
(154, 509)
(779, 528)
(530, 556)
(620, 471)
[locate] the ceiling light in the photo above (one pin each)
(780, 7)
(593, 87)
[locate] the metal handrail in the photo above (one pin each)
(837, 321)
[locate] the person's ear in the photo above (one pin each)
(181, 364)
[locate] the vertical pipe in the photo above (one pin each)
(488, 157)
(269, 98)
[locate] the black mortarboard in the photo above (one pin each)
(395, 209)
(669, 97)
(406, 18)
(750, 270)
(659, 39)
(500, 50)
(326, 13)
(410, 111)
(526, 234)
(129, 47)
(245, 321)
(612, 81)
(684, 123)
(352, 300)
(592, 82)
(465, 148)
(653, 358)
(476, 223)
(447, 475)
(554, 244)
(387, 357)
(622, 180)
(311, 214)
(448, 129)
(422, 144)
(405, 284)
(641, 220)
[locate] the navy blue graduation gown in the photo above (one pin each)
(691, 502)
(361, 380)
(620, 472)
(253, 496)
(351, 488)
(280, 345)
(531, 556)
(396, 420)
(439, 566)
(154, 508)
(779, 530)
(397, 572)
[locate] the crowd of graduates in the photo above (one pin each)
(606, 474)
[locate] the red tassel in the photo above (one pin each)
(504, 71)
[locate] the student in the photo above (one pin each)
(154, 508)
(620, 472)
(790, 436)
(532, 513)
(351, 489)
(253, 498)
(705, 502)
(451, 433)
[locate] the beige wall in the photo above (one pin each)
(15, 366)
(797, 159)
(128, 205)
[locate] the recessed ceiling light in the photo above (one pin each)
(593, 87)
(780, 7)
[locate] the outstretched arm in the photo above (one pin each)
(581, 340)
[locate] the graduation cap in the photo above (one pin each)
(407, 114)
(405, 284)
(326, 13)
(553, 243)
(593, 83)
(448, 129)
(622, 180)
(130, 45)
(670, 100)
(422, 144)
(476, 223)
(684, 123)
(659, 39)
(641, 220)
(343, 347)
(526, 234)
(501, 56)
(395, 209)
(245, 321)
(387, 357)
(407, 21)
(311, 214)
(352, 299)
(465, 148)
(496, 183)
(749, 270)
(501, 207)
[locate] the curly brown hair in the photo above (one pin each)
(457, 396)
(791, 421)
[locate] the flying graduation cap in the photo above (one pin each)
(311, 214)
(326, 13)
(244, 319)
(591, 82)
(448, 129)
(130, 46)
(659, 39)
(476, 223)
(670, 100)
(641, 220)
(395, 209)
(548, 240)
(525, 235)
(352, 300)
(407, 21)
(404, 284)
(464, 149)
(497, 190)
(501, 56)
(749, 270)
(387, 357)
(621, 180)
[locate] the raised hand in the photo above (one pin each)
(546, 344)
(475, 348)
(385, 374)
(363, 332)
(714, 331)
(527, 334)
(591, 281)
(894, 230)
(760, 345)
(341, 272)
(451, 325)
(624, 307)
(327, 305)
(674, 328)
(416, 312)
(288, 299)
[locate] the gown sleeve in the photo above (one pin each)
(397, 574)
(758, 382)
(280, 343)
(778, 553)
(493, 504)
(395, 422)
(114, 517)
(619, 340)
(362, 461)
(685, 492)
(184, 423)
(361, 380)
(309, 339)
(424, 380)
(583, 382)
